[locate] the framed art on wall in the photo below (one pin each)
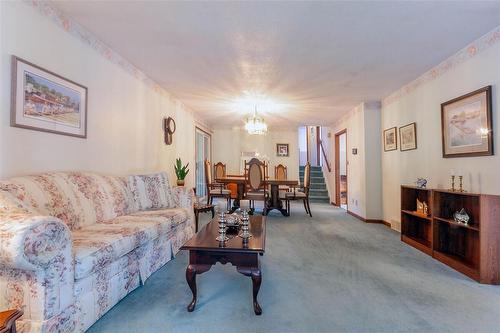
(390, 139)
(282, 149)
(466, 125)
(44, 101)
(408, 137)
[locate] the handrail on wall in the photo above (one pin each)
(324, 156)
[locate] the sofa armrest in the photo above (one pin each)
(32, 242)
(183, 197)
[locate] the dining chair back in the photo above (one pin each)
(307, 177)
(214, 189)
(219, 170)
(255, 175)
(256, 184)
(208, 174)
(280, 172)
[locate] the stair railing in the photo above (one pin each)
(324, 156)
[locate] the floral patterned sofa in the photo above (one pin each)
(73, 244)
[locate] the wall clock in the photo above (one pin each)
(169, 129)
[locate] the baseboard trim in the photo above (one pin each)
(387, 224)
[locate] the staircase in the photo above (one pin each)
(317, 191)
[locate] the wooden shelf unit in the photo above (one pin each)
(472, 249)
(416, 228)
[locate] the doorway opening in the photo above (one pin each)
(309, 145)
(202, 153)
(341, 169)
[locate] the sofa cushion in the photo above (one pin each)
(151, 191)
(11, 205)
(79, 199)
(99, 245)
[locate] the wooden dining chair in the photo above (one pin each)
(8, 320)
(214, 189)
(280, 173)
(219, 170)
(257, 187)
(301, 194)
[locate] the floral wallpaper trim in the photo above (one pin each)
(470, 51)
(86, 37)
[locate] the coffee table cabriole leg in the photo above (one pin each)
(256, 275)
(191, 272)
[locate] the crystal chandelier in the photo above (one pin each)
(256, 124)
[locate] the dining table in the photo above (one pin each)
(273, 202)
(240, 182)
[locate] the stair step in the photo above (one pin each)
(312, 168)
(316, 192)
(322, 200)
(318, 186)
(314, 180)
(312, 175)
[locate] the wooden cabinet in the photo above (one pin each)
(472, 249)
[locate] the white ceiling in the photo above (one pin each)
(318, 59)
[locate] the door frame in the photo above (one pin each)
(209, 135)
(337, 167)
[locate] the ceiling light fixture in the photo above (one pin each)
(255, 124)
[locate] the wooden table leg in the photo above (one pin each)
(256, 281)
(255, 274)
(196, 215)
(240, 192)
(274, 201)
(191, 272)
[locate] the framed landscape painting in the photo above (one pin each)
(466, 125)
(408, 137)
(44, 101)
(282, 149)
(390, 139)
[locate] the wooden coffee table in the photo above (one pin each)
(205, 251)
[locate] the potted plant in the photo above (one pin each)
(180, 171)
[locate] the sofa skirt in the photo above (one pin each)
(99, 292)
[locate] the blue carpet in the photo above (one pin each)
(329, 273)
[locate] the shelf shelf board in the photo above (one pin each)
(458, 193)
(421, 244)
(416, 214)
(453, 222)
(462, 265)
(413, 187)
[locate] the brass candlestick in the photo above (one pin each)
(453, 183)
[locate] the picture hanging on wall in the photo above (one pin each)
(408, 137)
(282, 149)
(390, 139)
(466, 125)
(44, 101)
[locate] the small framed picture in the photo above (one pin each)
(390, 139)
(45, 101)
(408, 137)
(282, 149)
(466, 125)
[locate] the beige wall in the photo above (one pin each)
(364, 168)
(228, 144)
(422, 105)
(124, 114)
